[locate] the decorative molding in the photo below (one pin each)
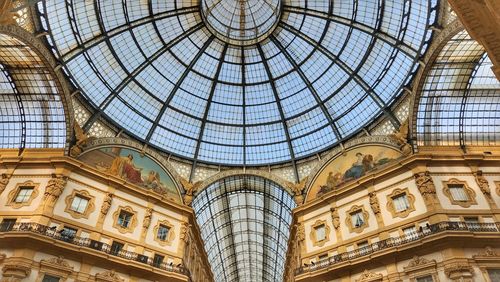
(2, 257)
(297, 190)
(349, 222)
(497, 184)
(56, 266)
(335, 217)
(133, 220)
(470, 193)
(459, 270)
(189, 190)
(482, 182)
(14, 192)
(488, 252)
(13, 270)
(420, 267)
(313, 234)
(301, 232)
(88, 209)
(109, 276)
(170, 235)
(368, 276)
(4, 181)
(390, 202)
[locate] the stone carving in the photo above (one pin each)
(14, 271)
(81, 140)
(147, 218)
(106, 204)
(301, 232)
(458, 270)
(335, 218)
(482, 182)
(374, 203)
(191, 189)
(54, 188)
(297, 190)
(369, 276)
(109, 275)
(2, 257)
(488, 252)
(416, 260)
(59, 261)
(426, 186)
(184, 235)
(4, 181)
(401, 137)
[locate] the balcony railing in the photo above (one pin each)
(399, 241)
(51, 232)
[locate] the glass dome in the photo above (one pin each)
(247, 82)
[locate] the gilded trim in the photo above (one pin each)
(349, 222)
(390, 202)
(133, 221)
(170, 236)
(88, 209)
(470, 193)
(13, 194)
(313, 235)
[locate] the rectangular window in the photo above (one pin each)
(401, 202)
(458, 192)
(124, 218)
(357, 219)
(116, 247)
(158, 260)
(7, 224)
(427, 278)
(24, 194)
(50, 278)
(79, 204)
(320, 232)
(162, 232)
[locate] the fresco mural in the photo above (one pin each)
(352, 165)
(134, 168)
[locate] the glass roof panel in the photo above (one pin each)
(303, 75)
(245, 224)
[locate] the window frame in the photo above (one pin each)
(90, 207)
(470, 193)
(132, 223)
(13, 194)
(391, 206)
(350, 224)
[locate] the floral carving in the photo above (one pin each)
(416, 261)
(488, 252)
(369, 276)
(59, 261)
(110, 276)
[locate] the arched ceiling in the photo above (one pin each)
(229, 82)
(32, 114)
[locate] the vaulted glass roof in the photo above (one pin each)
(245, 82)
(245, 225)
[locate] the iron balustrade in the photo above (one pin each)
(52, 232)
(398, 241)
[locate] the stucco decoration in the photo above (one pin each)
(136, 165)
(368, 276)
(360, 157)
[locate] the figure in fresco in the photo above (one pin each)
(124, 167)
(333, 180)
(357, 169)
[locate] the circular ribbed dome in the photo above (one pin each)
(197, 80)
(241, 22)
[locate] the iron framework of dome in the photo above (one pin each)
(232, 83)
